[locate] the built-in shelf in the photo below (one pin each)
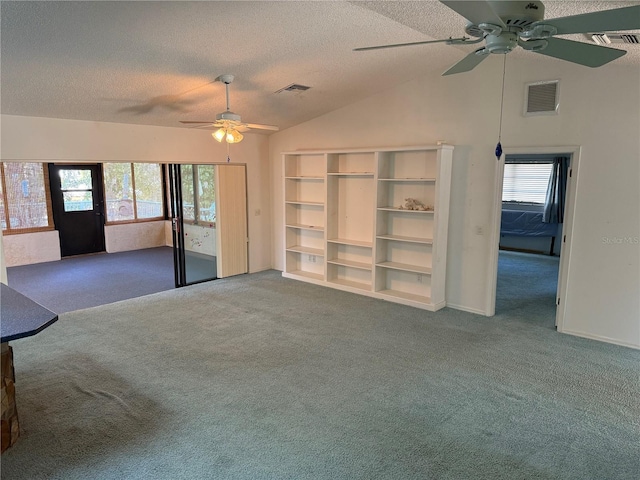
(404, 210)
(305, 227)
(303, 202)
(306, 177)
(345, 229)
(305, 274)
(308, 250)
(406, 296)
(350, 263)
(350, 174)
(347, 241)
(427, 180)
(405, 267)
(351, 283)
(402, 238)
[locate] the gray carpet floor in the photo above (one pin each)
(260, 377)
(74, 283)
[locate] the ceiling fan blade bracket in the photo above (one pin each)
(463, 41)
(538, 31)
(534, 45)
(490, 29)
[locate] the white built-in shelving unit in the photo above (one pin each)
(345, 228)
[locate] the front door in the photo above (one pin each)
(78, 214)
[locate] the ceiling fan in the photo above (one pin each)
(505, 25)
(229, 125)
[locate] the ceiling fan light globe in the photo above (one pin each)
(234, 136)
(219, 134)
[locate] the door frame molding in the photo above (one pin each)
(567, 227)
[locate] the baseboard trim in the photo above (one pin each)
(467, 309)
(600, 338)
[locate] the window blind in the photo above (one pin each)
(526, 182)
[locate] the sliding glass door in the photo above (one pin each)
(193, 212)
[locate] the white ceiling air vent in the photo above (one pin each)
(294, 87)
(541, 98)
(614, 38)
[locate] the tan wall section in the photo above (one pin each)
(28, 248)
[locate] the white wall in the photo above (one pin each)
(599, 110)
(57, 140)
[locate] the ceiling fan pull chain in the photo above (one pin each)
(228, 157)
(499, 145)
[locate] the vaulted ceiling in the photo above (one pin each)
(154, 62)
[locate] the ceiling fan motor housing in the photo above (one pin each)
(228, 116)
(502, 43)
(517, 16)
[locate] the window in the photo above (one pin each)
(198, 193)
(77, 190)
(526, 182)
(24, 197)
(133, 191)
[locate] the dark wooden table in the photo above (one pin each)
(20, 317)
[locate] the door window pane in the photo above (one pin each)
(118, 191)
(75, 179)
(148, 180)
(77, 201)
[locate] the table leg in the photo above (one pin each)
(10, 426)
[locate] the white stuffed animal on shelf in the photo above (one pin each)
(414, 204)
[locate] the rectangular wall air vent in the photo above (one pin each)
(541, 98)
(614, 38)
(294, 87)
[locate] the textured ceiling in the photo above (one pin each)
(154, 62)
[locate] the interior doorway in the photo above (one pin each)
(563, 239)
(77, 202)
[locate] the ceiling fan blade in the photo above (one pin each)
(476, 12)
(258, 126)
(627, 18)
(469, 62)
(580, 53)
(394, 45)
(189, 122)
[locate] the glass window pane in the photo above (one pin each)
(206, 193)
(526, 182)
(118, 192)
(75, 201)
(3, 220)
(148, 179)
(188, 198)
(75, 179)
(26, 195)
